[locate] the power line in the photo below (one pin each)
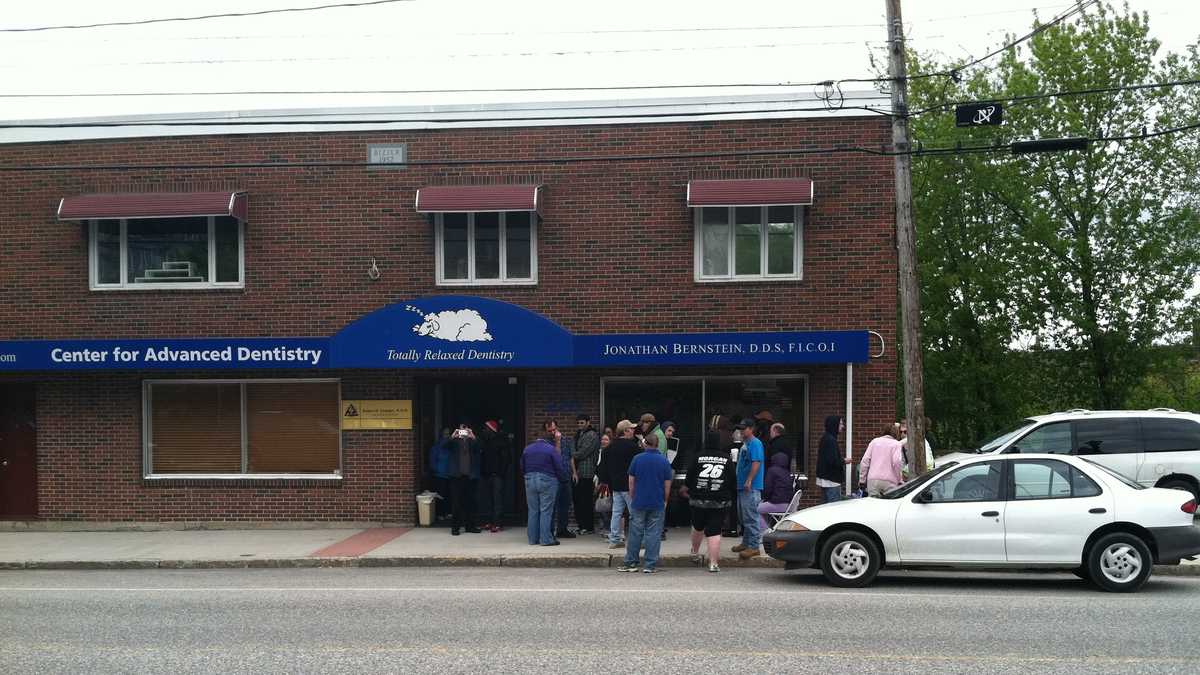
(456, 120)
(1056, 94)
(830, 150)
(953, 73)
(262, 12)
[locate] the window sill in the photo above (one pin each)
(242, 477)
(747, 280)
(168, 287)
(460, 284)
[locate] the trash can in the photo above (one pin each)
(425, 508)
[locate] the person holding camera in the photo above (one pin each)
(464, 472)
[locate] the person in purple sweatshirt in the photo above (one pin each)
(544, 469)
(777, 489)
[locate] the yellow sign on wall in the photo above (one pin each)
(362, 414)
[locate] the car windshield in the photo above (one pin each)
(999, 440)
(1124, 479)
(905, 488)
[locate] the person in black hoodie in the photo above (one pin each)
(831, 465)
(614, 476)
(494, 459)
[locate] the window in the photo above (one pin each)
(145, 253)
(1048, 479)
(1053, 438)
(972, 483)
(242, 428)
(748, 242)
(486, 248)
(1164, 435)
(1108, 436)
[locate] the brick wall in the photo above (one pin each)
(614, 255)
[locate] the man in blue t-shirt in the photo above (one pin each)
(750, 483)
(649, 484)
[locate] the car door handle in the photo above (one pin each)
(990, 514)
(1098, 510)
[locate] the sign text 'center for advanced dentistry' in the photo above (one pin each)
(175, 355)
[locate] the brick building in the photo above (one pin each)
(182, 341)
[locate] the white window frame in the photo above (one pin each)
(471, 280)
(147, 433)
(698, 257)
(125, 285)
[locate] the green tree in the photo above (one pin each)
(1084, 258)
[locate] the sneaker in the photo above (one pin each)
(454, 531)
(749, 553)
(627, 568)
(565, 534)
(714, 567)
(650, 570)
(739, 548)
(696, 559)
(494, 528)
(553, 543)
(617, 545)
(474, 530)
(582, 532)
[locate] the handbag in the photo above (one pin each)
(604, 504)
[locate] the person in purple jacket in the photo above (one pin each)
(777, 489)
(543, 468)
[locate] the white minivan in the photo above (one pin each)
(1157, 448)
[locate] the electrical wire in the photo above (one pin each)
(831, 150)
(456, 120)
(1056, 94)
(261, 12)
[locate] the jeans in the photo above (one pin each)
(831, 494)
(620, 505)
(767, 507)
(462, 501)
(540, 492)
(645, 528)
(585, 503)
(562, 506)
(748, 510)
(494, 486)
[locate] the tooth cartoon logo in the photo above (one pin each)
(453, 325)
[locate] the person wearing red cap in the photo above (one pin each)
(493, 466)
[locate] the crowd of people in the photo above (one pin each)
(624, 475)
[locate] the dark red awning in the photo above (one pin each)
(760, 192)
(460, 198)
(152, 205)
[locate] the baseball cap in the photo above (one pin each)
(623, 425)
(746, 423)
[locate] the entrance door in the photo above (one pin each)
(18, 452)
(446, 402)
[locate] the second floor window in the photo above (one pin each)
(145, 253)
(486, 248)
(747, 243)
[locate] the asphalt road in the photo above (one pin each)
(474, 620)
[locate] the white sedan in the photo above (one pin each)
(998, 511)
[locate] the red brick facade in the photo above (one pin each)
(615, 250)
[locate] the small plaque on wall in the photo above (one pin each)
(377, 414)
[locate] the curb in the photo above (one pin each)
(596, 560)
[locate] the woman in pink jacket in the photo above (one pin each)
(883, 462)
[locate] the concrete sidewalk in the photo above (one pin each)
(266, 545)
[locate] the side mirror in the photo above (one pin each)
(924, 496)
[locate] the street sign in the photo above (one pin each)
(978, 115)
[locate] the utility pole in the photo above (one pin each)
(906, 244)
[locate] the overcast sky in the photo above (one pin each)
(438, 44)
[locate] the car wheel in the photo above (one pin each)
(850, 559)
(1119, 562)
(1180, 484)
